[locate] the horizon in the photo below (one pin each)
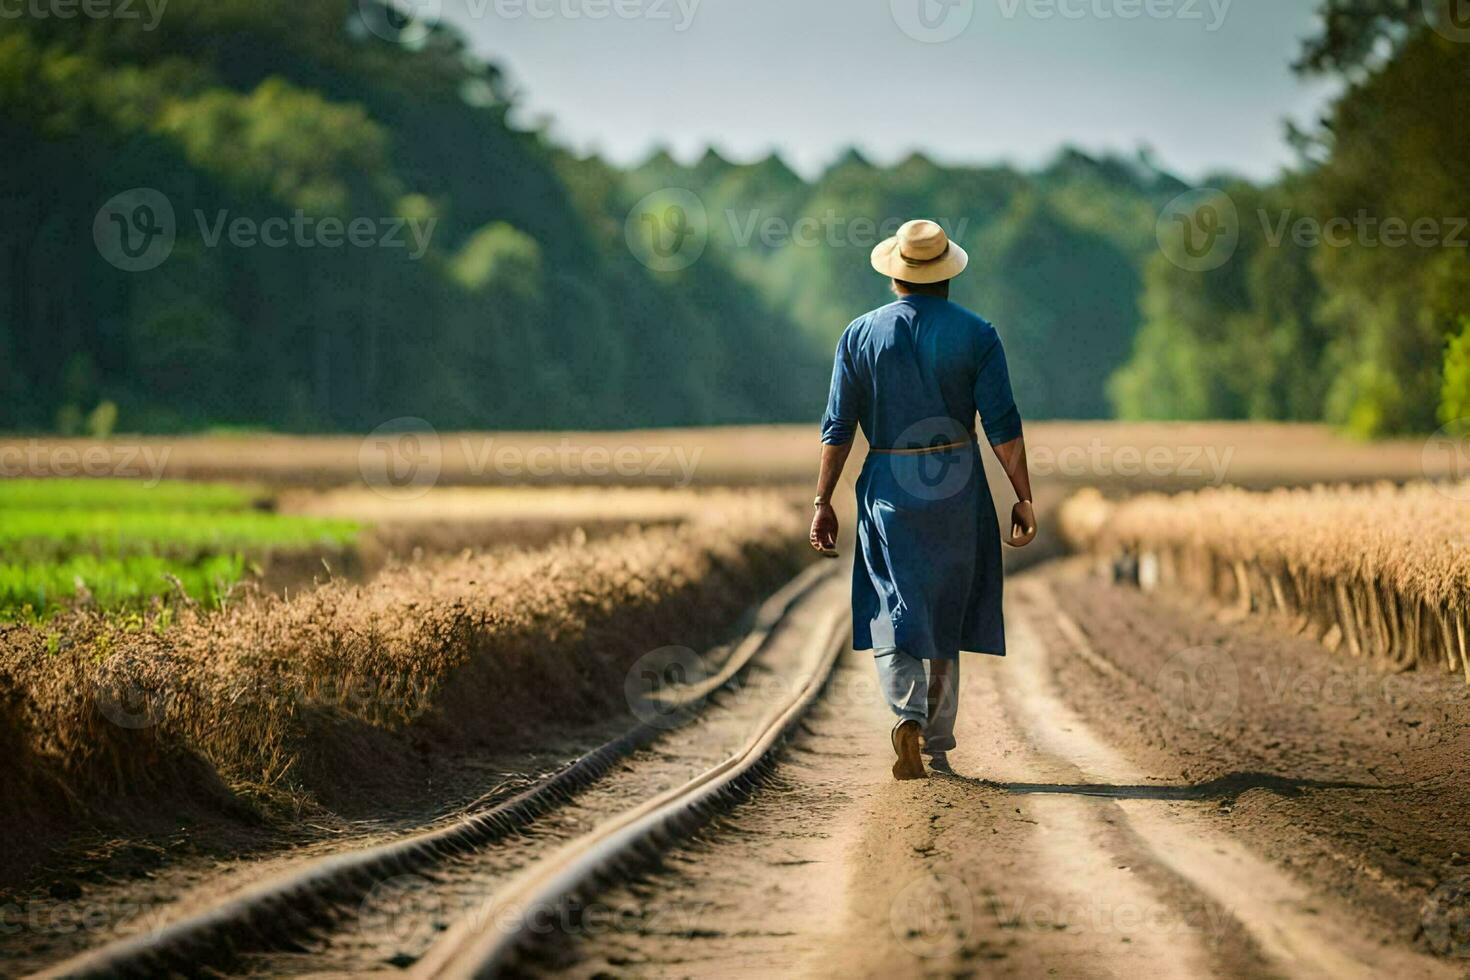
(690, 158)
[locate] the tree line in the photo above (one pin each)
(289, 145)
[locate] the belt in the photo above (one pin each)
(927, 450)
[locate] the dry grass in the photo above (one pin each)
(1154, 455)
(282, 700)
(1381, 571)
(451, 519)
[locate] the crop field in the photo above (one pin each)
(116, 545)
(261, 633)
(1382, 572)
(264, 692)
(1126, 455)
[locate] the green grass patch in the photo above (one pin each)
(56, 534)
(34, 590)
(128, 544)
(130, 495)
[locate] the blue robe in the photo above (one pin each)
(914, 374)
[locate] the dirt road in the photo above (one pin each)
(1071, 839)
(1145, 787)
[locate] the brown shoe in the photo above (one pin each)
(906, 747)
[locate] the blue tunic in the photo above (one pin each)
(914, 374)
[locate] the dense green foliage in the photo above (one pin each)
(523, 311)
(1352, 275)
(1054, 254)
(555, 291)
(529, 308)
(121, 541)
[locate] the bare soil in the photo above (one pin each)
(1086, 830)
(1352, 777)
(1146, 787)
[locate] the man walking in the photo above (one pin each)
(927, 578)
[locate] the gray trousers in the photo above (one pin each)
(926, 691)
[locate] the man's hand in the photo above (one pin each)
(1023, 524)
(824, 528)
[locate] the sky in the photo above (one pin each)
(1205, 84)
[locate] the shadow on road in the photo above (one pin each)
(1221, 788)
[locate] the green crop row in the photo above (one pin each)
(129, 495)
(55, 534)
(117, 545)
(30, 591)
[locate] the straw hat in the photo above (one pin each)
(921, 252)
